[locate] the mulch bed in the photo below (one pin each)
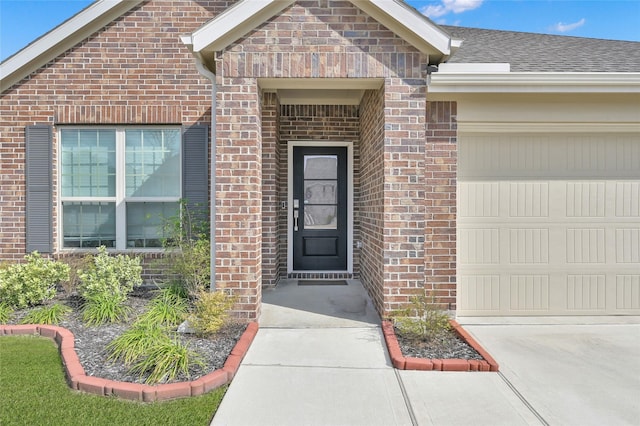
(446, 345)
(91, 341)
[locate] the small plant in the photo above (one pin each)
(166, 308)
(5, 312)
(422, 319)
(112, 275)
(104, 308)
(31, 283)
(187, 248)
(165, 360)
(52, 314)
(210, 312)
(135, 343)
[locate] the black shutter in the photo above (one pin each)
(195, 177)
(39, 203)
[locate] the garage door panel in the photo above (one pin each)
(628, 245)
(586, 292)
(549, 224)
(529, 293)
(627, 199)
(628, 292)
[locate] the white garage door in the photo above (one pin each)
(549, 224)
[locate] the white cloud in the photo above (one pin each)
(563, 28)
(447, 6)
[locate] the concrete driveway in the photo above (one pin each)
(569, 371)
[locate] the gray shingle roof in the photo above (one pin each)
(529, 52)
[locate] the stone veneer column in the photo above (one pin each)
(239, 194)
(404, 188)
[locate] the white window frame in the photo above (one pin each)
(120, 198)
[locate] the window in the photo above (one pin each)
(118, 185)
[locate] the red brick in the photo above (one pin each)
(49, 331)
(131, 391)
(231, 365)
(211, 381)
(23, 329)
(94, 385)
(455, 365)
(418, 364)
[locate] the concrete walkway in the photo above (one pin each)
(319, 358)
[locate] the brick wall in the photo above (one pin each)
(136, 70)
(334, 39)
(371, 199)
(441, 157)
(239, 193)
(271, 192)
(336, 123)
(404, 204)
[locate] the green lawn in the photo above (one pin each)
(33, 391)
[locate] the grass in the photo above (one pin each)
(33, 391)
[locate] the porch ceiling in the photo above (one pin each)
(304, 91)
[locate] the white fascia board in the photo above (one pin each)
(409, 24)
(525, 82)
(234, 23)
(61, 38)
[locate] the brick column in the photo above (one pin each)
(404, 209)
(239, 194)
(270, 189)
(440, 198)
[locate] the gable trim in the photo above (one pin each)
(60, 39)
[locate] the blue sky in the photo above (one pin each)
(22, 21)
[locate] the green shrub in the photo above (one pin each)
(210, 312)
(52, 314)
(166, 308)
(5, 312)
(31, 283)
(136, 342)
(165, 360)
(109, 275)
(422, 319)
(105, 308)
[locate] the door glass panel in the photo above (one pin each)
(320, 217)
(320, 192)
(320, 166)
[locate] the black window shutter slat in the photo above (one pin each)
(195, 177)
(39, 203)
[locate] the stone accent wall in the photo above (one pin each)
(371, 199)
(135, 70)
(441, 159)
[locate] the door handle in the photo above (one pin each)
(295, 219)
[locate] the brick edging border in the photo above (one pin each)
(408, 363)
(78, 380)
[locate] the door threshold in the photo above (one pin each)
(323, 275)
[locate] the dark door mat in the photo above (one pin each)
(322, 282)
